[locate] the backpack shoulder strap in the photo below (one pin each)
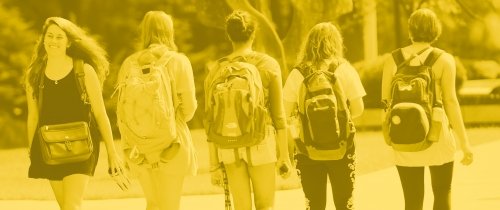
(306, 71)
(165, 58)
(332, 68)
(398, 57)
(433, 57)
(344, 104)
(163, 61)
(301, 69)
(429, 61)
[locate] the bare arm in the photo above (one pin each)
(94, 92)
(278, 115)
(387, 74)
(293, 127)
(214, 165)
(452, 107)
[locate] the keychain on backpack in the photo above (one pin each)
(225, 185)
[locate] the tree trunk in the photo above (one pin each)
(370, 39)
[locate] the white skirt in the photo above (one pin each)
(439, 153)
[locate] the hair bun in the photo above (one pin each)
(239, 26)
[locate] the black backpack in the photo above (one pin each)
(327, 126)
(412, 100)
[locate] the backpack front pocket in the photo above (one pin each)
(408, 124)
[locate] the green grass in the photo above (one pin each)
(372, 155)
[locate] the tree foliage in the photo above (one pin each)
(15, 47)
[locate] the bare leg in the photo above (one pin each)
(263, 182)
(146, 180)
(239, 185)
(168, 188)
(74, 187)
(57, 188)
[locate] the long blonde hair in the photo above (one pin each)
(157, 27)
(323, 41)
(82, 47)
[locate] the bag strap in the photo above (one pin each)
(80, 80)
(163, 61)
(429, 61)
(40, 89)
(398, 57)
(78, 67)
(433, 57)
(80, 83)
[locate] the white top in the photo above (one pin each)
(442, 151)
(347, 77)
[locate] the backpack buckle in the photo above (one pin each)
(68, 145)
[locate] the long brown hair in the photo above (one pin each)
(82, 47)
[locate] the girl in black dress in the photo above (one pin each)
(52, 69)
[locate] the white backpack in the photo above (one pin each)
(146, 103)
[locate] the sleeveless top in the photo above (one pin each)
(61, 103)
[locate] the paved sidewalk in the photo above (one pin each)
(475, 187)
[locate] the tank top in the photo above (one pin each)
(61, 101)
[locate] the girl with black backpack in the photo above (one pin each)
(323, 52)
(424, 29)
